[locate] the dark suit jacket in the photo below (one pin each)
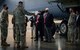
(40, 24)
(78, 21)
(49, 20)
(26, 21)
(32, 21)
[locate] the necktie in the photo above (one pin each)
(37, 19)
(45, 15)
(77, 17)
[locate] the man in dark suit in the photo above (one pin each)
(48, 24)
(41, 21)
(39, 26)
(78, 26)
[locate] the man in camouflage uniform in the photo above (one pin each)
(72, 26)
(20, 19)
(4, 25)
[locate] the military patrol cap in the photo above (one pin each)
(4, 5)
(20, 2)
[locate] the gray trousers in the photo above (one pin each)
(47, 33)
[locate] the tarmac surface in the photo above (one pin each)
(59, 43)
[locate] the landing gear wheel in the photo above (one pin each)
(63, 29)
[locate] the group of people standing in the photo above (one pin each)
(43, 22)
(19, 22)
(45, 26)
(74, 26)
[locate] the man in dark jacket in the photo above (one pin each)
(78, 25)
(39, 26)
(48, 23)
(32, 25)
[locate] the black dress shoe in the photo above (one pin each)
(18, 46)
(45, 41)
(49, 41)
(41, 39)
(36, 40)
(31, 37)
(24, 47)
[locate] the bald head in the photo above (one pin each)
(46, 9)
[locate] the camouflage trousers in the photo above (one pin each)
(20, 36)
(71, 34)
(4, 32)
